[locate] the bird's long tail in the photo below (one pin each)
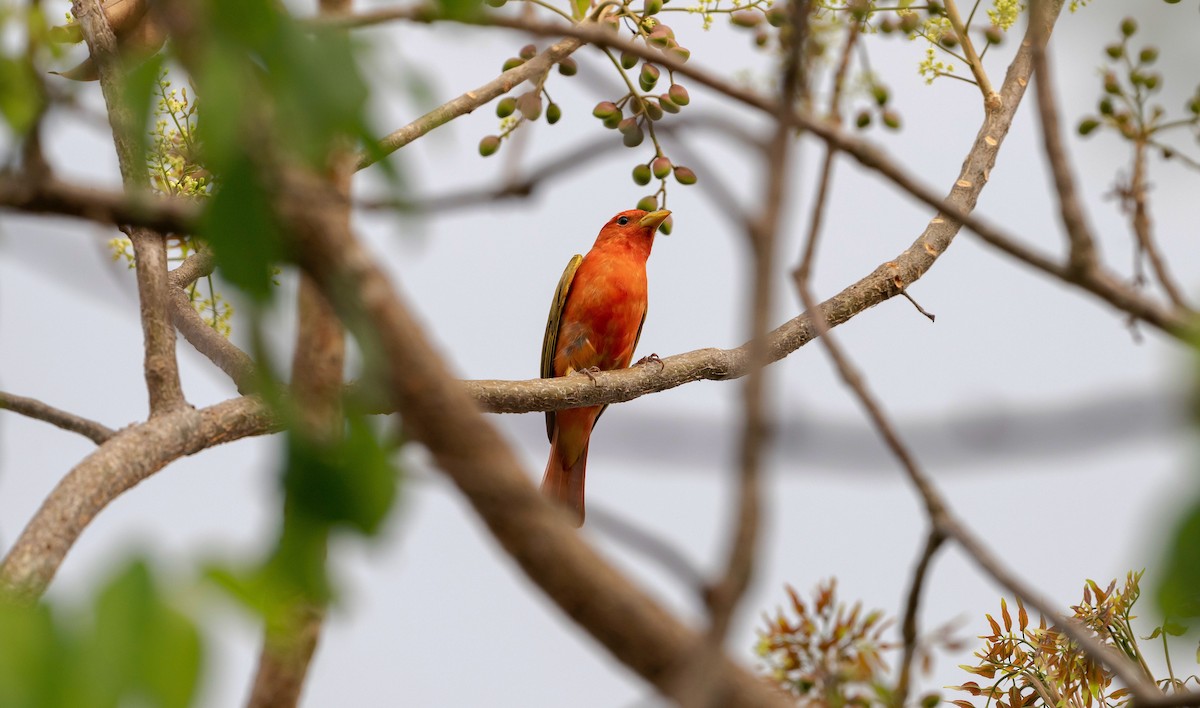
(563, 481)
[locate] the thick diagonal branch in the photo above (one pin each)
(125, 459)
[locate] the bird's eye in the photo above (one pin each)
(623, 220)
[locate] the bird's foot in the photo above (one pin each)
(589, 372)
(652, 359)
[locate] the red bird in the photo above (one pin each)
(595, 322)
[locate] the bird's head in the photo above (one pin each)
(633, 225)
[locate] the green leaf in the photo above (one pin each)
(579, 8)
(351, 482)
(139, 89)
(20, 100)
(30, 648)
(140, 645)
(134, 649)
(460, 9)
(243, 231)
(1179, 588)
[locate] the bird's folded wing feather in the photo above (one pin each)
(550, 341)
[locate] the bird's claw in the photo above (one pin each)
(589, 372)
(652, 359)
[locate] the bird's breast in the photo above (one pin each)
(603, 313)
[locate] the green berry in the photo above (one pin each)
(641, 175)
(648, 203)
(553, 113)
(665, 102)
(506, 106)
(746, 18)
(667, 225)
(628, 60)
(1087, 125)
(568, 67)
(1128, 26)
(679, 95)
(527, 52)
(649, 76)
(530, 105)
(683, 175)
(661, 167)
(633, 138)
(604, 109)
(512, 63)
(661, 36)
(489, 145)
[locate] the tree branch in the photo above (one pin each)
(128, 457)
(33, 408)
(911, 607)
(471, 100)
(150, 248)
(236, 363)
(1102, 283)
(1083, 259)
(48, 195)
(318, 365)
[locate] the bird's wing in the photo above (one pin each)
(550, 341)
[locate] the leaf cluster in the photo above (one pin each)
(824, 653)
(1028, 665)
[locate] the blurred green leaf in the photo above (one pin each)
(1179, 588)
(134, 648)
(243, 231)
(31, 654)
(142, 643)
(351, 482)
(20, 100)
(141, 84)
(460, 9)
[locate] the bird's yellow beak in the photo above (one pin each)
(654, 218)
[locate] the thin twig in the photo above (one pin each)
(637, 539)
(33, 408)
(215, 347)
(1083, 259)
(1143, 230)
(991, 99)
(911, 608)
(471, 100)
(762, 233)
